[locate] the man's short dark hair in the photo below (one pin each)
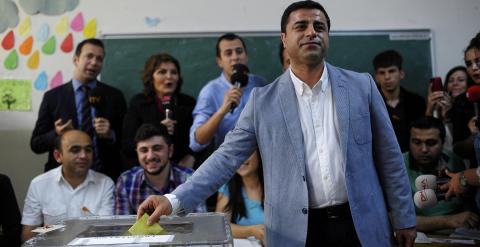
(301, 5)
(430, 123)
(95, 42)
(147, 131)
(230, 37)
(58, 143)
(388, 58)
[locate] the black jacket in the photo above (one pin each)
(143, 109)
(60, 103)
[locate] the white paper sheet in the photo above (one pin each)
(121, 240)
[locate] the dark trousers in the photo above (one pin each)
(331, 226)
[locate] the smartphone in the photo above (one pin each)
(436, 83)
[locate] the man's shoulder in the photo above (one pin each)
(454, 162)
(132, 172)
(46, 178)
(59, 90)
(111, 90)
(213, 82)
(182, 170)
(333, 70)
(411, 95)
(257, 80)
(100, 177)
(406, 158)
(211, 88)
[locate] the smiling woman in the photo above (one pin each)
(161, 103)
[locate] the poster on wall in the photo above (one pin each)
(15, 95)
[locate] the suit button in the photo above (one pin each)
(303, 177)
(304, 211)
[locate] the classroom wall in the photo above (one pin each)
(453, 24)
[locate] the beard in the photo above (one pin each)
(157, 171)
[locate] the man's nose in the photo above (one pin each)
(235, 57)
(150, 153)
(424, 148)
(310, 31)
(476, 65)
(83, 153)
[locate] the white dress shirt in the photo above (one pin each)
(323, 151)
(51, 198)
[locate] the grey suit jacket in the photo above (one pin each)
(377, 182)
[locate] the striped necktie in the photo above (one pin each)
(86, 125)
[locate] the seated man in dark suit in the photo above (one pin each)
(70, 106)
(427, 156)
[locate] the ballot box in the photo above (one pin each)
(197, 229)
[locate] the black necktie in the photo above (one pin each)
(86, 112)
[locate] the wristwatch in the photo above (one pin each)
(463, 180)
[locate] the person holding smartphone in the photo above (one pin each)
(462, 114)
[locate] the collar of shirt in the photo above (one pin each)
(59, 177)
(77, 84)
(442, 162)
(224, 80)
(166, 189)
(301, 87)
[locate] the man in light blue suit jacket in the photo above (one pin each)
(371, 165)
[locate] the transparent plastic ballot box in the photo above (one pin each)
(195, 229)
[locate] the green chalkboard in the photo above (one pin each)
(126, 56)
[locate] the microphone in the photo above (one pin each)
(428, 198)
(167, 105)
(239, 79)
(424, 182)
(95, 98)
(473, 95)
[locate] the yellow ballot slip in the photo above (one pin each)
(141, 228)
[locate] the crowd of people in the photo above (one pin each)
(294, 160)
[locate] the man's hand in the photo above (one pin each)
(102, 127)
(406, 237)
(453, 187)
(231, 96)
(464, 219)
(156, 206)
(61, 128)
(433, 99)
(170, 124)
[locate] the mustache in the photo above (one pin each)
(317, 40)
(154, 159)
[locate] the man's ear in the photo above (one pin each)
(219, 62)
(57, 154)
(75, 60)
(402, 74)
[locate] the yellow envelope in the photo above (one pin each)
(141, 228)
